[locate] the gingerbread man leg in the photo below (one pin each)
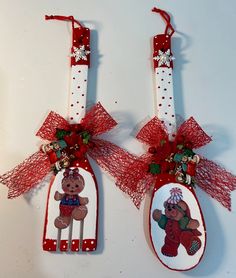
(62, 222)
(79, 213)
(170, 248)
(191, 242)
(64, 219)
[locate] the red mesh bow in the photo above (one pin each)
(31, 171)
(217, 182)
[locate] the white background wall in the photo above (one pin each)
(34, 67)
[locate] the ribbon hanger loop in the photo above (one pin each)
(169, 28)
(80, 38)
(64, 18)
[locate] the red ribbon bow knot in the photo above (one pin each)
(176, 157)
(33, 169)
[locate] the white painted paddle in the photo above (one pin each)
(177, 228)
(76, 234)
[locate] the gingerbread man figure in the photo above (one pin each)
(179, 227)
(72, 206)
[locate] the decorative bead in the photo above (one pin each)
(178, 157)
(191, 168)
(152, 150)
(196, 158)
(73, 144)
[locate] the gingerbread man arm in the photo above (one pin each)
(58, 196)
(83, 200)
(160, 218)
(193, 224)
(156, 215)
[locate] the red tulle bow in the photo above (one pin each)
(32, 170)
(161, 158)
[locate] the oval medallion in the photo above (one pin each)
(177, 227)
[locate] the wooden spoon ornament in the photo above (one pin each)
(177, 228)
(71, 221)
(176, 223)
(75, 188)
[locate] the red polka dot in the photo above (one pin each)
(89, 245)
(75, 245)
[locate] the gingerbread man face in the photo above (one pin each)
(72, 184)
(175, 211)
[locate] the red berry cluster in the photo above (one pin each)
(71, 146)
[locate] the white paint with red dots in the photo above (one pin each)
(78, 92)
(165, 98)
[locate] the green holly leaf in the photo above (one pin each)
(162, 142)
(189, 152)
(86, 136)
(60, 133)
(154, 168)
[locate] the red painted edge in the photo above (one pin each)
(163, 180)
(46, 213)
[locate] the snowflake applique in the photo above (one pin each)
(164, 58)
(80, 53)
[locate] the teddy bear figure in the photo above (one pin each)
(179, 227)
(72, 206)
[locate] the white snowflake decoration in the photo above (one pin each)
(164, 58)
(80, 53)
